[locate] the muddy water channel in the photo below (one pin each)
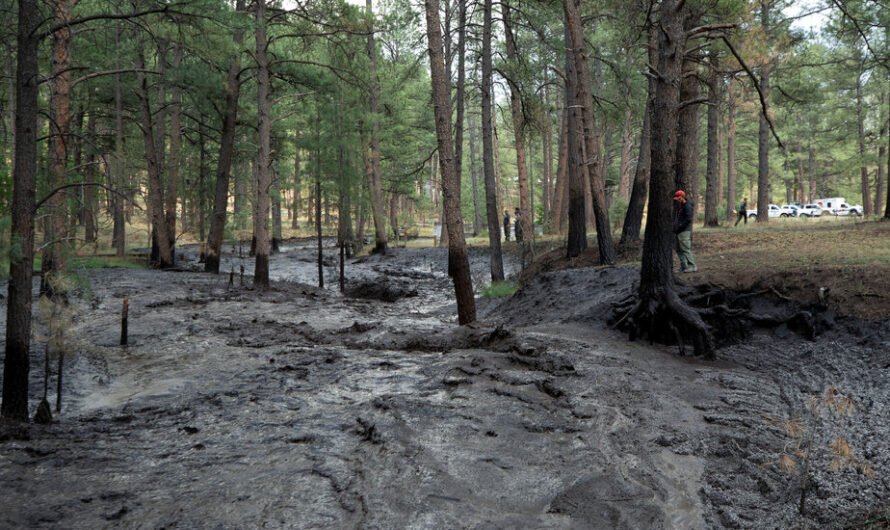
(305, 408)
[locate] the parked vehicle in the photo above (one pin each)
(773, 211)
(839, 206)
(846, 209)
(810, 210)
(790, 210)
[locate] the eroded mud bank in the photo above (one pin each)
(303, 408)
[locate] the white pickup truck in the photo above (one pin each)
(774, 211)
(839, 206)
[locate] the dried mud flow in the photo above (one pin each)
(305, 408)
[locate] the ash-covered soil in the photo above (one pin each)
(305, 408)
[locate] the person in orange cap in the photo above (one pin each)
(683, 230)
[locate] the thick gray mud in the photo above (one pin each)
(305, 408)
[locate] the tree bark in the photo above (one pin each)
(224, 161)
(155, 189)
(375, 184)
(627, 145)
(57, 246)
(488, 169)
(863, 169)
(264, 156)
(297, 199)
(576, 240)
(474, 174)
(633, 219)
(118, 180)
(660, 314)
(712, 176)
(585, 100)
(547, 153)
(518, 126)
(90, 208)
(16, 363)
(561, 190)
(458, 261)
(882, 158)
(763, 191)
(731, 194)
(275, 193)
(172, 192)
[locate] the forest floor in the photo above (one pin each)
(303, 407)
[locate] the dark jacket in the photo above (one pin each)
(743, 207)
(683, 220)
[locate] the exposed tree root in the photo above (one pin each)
(707, 316)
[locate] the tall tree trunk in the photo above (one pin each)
(57, 246)
(561, 191)
(375, 180)
(264, 155)
(488, 168)
(458, 260)
(585, 100)
(117, 167)
(627, 145)
(863, 169)
(460, 95)
(763, 190)
(882, 158)
(275, 193)
(295, 220)
(811, 171)
(731, 181)
(576, 240)
(547, 153)
(687, 140)
(712, 176)
(224, 161)
(660, 311)
(155, 190)
(16, 363)
(474, 174)
(90, 208)
(172, 192)
(633, 220)
(518, 126)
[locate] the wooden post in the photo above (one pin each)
(232, 277)
(124, 315)
(242, 275)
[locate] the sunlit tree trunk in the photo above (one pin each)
(732, 198)
(172, 192)
(863, 168)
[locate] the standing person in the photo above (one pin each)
(517, 224)
(743, 212)
(506, 225)
(683, 229)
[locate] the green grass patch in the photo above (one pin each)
(499, 289)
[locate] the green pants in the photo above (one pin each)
(684, 250)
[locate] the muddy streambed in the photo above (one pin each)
(304, 408)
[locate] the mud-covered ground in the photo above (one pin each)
(305, 408)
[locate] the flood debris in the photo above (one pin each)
(299, 407)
